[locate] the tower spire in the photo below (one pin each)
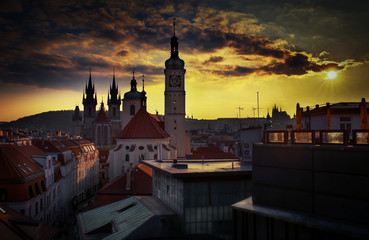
(174, 26)
(133, 82)
(143, 83)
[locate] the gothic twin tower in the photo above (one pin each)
(103, 126)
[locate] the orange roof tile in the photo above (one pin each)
(18, 226)
(116, 190)
(16, 164)
(50, 146)
(142, 125)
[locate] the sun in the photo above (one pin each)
(331, 74)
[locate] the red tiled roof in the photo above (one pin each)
(145, 169)
(158, 120)
(32, 151)
(142, 125)
(50, 146)
(18, 226)
(15, 163)
(102, 117)
(212, 153)
(116, 190)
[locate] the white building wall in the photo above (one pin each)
(118, 164)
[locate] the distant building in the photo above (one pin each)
(212, 153)
(77, 123)
(343, 116)
(201, 193)
(103, 128)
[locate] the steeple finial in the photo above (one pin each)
(143, 82)
(174, 26)
(133, 73)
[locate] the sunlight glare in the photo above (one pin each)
(331, 74)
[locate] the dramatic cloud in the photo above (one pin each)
(122, 53)
(214, 59)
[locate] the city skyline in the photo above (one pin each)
(231, 51)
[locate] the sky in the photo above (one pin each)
(232, 49)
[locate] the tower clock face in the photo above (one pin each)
(174, 81)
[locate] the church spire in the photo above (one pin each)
(174, 26)
(133, 82)
(174, 62)
(174, 42)
(113, 92)
(90, 91)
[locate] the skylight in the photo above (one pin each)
(22, 168)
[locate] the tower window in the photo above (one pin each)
(89, 111)
(127, 158)
(114, 111)
(132, 110)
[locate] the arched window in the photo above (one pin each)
(37, 189)
(156, 157)
(132, 110)
(30, 190)
(127, 158)
(106, 135)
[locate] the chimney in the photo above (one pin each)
(128, 180)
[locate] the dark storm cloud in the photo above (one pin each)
(122, 53)
(236, 71)
(292, 65)
(298, 64)
(249, 45)
(143, 70)
(214, 59)
(48, 43)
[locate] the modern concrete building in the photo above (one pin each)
(201, 193)
(303, 191)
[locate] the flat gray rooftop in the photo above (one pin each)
(199, 168)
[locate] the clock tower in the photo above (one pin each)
(175, 98)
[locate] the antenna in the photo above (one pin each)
(239, 111)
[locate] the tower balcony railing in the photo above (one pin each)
(317, 137)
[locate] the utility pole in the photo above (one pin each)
(239, 111)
